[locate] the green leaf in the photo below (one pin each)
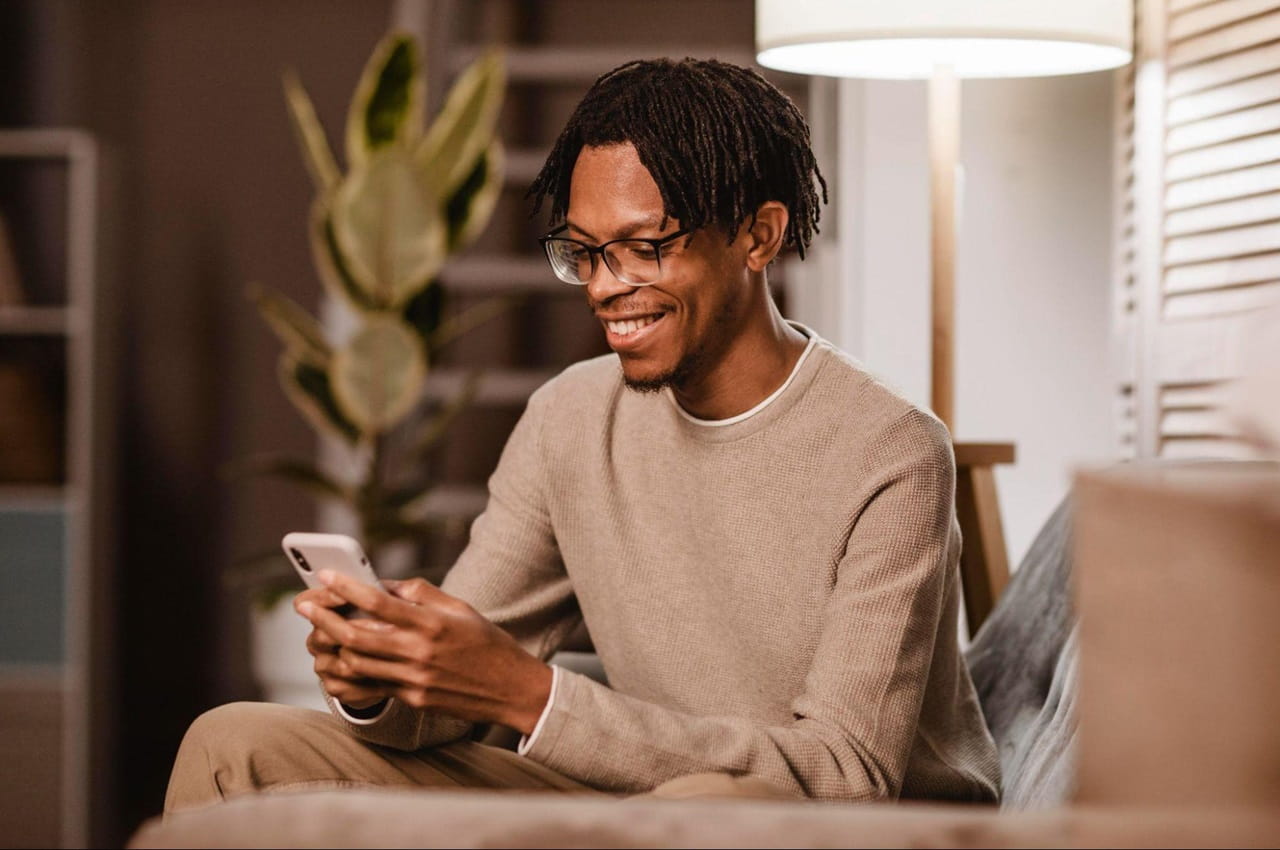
(328, 259)
(389, 229)
(471, 205)
(307, 387)
(300, 333)
(315, 147)
(303, 473)
(465, 126)
(377, 377)
(387, 106)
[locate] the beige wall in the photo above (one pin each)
(1033, 273)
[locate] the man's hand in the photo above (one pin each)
(426, 648)
(356, 692)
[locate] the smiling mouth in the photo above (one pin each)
(626, 327)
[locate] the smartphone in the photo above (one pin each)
(311, 552)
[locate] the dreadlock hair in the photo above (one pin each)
(718, 139)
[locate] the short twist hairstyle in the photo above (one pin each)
(718, 139)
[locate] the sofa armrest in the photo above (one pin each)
(513, 819)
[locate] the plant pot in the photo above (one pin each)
(279, 659)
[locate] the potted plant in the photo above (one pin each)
(380, 232)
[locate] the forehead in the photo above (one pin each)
(611, 193)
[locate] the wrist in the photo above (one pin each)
(533, 699)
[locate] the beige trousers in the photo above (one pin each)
(247, 747)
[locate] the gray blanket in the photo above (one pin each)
(1023, 662)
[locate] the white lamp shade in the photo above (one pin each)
(908, 39)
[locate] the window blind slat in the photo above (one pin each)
(1224, 215)
(1239, 36)
(1224, 128)
(1179, 6)
(1216, 302)
(1228, 69)
(1223, 187)
(1174, 448)
(1194, 423)
(1222, 245)
(1190, 396)
(1228, 98)
(1214, 16)
(1225, 157)
(1239, 271)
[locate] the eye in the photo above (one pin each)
(642, 251)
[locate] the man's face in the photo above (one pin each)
(672, 332)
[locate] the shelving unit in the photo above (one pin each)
(51, 518)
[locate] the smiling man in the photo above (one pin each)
(758, 535)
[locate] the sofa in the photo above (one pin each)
(1130, 674)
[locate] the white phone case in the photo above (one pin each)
(310, 552)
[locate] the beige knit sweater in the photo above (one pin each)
(777, 596)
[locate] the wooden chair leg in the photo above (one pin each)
(984, 560)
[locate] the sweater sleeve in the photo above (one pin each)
(854, 724)
(510, 572)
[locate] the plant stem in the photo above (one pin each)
(373, 495)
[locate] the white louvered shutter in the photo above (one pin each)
(1198, 236)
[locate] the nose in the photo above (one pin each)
(603, 285)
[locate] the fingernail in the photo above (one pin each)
(326, 577)
(305, 609)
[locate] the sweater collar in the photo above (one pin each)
(770, 409)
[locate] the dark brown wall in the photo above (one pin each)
(209, 194)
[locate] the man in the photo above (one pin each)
(759, 536)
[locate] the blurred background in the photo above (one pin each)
(149, 174)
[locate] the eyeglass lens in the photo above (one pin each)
(631, 261)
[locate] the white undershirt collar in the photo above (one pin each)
(733, 420)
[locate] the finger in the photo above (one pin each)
(418, 591)
(392, 672)
(319, 641)
(370, 599)
(321, 596)
(371, 637)
(333, 668)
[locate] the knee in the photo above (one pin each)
(236, 726)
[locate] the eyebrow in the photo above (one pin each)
(630, 229)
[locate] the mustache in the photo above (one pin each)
(628, 303)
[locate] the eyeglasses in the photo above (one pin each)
(637, 262)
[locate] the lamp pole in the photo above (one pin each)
(944, 151)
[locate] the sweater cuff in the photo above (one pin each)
(544, 746)
(362, 716)
(527, 741)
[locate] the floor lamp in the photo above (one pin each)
(943, 41)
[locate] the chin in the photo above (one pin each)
(647, 380)
(650, 378)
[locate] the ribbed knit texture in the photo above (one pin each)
(777, 597)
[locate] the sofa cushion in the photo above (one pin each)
(1023, 663)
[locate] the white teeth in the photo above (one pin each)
(630, 326)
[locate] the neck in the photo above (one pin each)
(759, 360)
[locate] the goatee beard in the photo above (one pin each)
(676, 378)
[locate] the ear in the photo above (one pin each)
(766, 234)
